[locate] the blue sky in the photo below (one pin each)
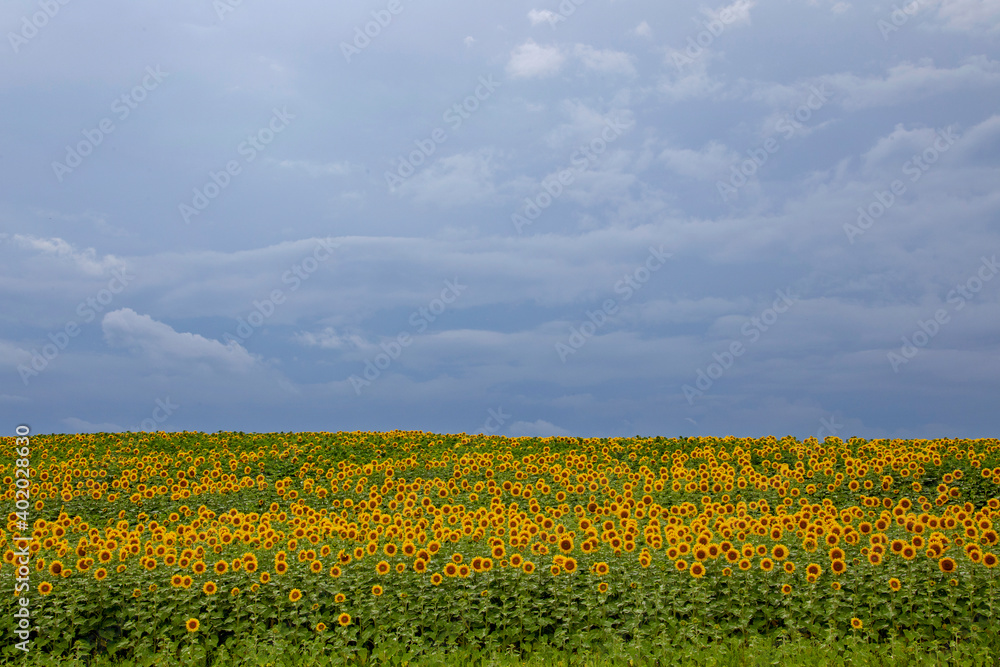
(592, 218)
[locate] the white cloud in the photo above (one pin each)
(908, 82)
(539, 16)
(82, 426)
(536, 429)
(737, 13)
(85, 260)
(162, 345)
(529, 60)
(643, 30)
(708, 163)
(456, 180)
(328, 338)
(967, 15)
(316, 169)
(606, 60)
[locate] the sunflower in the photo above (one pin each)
(376, 590)
(786, 589)
(697, 570)
(45, 588)
(788, 566)
(176, 581)
(856, 623)
(192, 625)
(681, 565)
(569, 565)
(894, 584)
(528, 567)
(209, 588)
(436, 578)
(875, 558)
(779, 552)
(814, 570)
(989, 559)
(601, 568)
(602, 587)
(55, 568)
(838, 566)
(221, 567)
(766, 564)
(295, 595)
(344, 619)
(745, 564)
(265, 577)
(321, 627)
(199, 567)
(946, 565)
(100, 574)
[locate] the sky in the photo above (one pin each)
(587, 218)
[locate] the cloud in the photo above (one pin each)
(85, 260)
(643, 30)
(456, 180)
(536, 429)
(328, 338)
(908, 82)
(969, 15)
(705, 164)
(738, 13)
(162, 345)
(688, 81)
(539, 16)
(606, 60)
(316, 169)
(529, 60)
(82, 426)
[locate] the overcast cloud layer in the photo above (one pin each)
(591, 218)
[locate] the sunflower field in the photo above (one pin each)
(402, 543)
